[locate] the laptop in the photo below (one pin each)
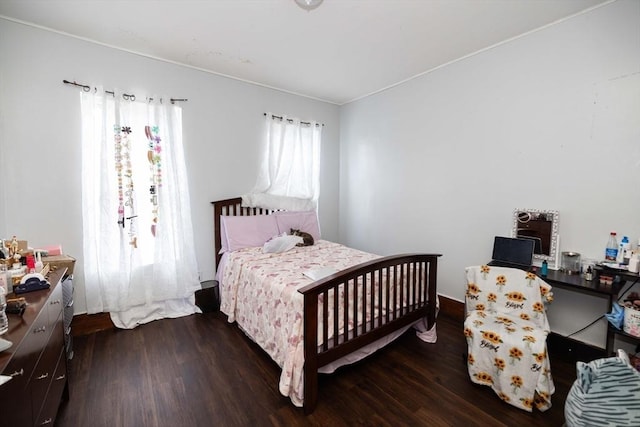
(512, 252)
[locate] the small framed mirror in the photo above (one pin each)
(540, 226)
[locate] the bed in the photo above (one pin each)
(308, 326)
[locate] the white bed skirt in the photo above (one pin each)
(421, 332)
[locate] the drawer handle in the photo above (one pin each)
(61, 377)
(40, 329)
(55, 302)
(43, 376)
(17, 373)
(47, 421)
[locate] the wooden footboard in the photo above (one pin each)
(401, 289)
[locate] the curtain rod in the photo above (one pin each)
(273, 116)
(126, 96)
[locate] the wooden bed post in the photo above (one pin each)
(433, 293)
(310, 369)
(217, 245)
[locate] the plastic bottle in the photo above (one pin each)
(624, 251)
(31, 264)
(4, 279)
(39, 264)
(4, 321)
(611, 252)
(545, 268)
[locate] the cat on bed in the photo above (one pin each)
(307, 239)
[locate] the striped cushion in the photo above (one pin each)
(605, 393)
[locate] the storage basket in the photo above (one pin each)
(632, 321)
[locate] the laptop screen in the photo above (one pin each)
(512, 250)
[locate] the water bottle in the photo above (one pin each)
(611, 252)
(625, 246)
(4, 321)
(4, 278)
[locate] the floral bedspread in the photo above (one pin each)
(260, 292)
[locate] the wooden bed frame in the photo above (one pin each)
(413, 277)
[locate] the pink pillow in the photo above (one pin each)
(306, 221)
(237, 232)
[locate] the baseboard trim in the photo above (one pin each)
(451, 308)
(85, 324)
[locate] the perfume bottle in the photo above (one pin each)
(588, 275)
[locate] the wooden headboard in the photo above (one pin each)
(230, 207)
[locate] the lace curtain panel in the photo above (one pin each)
(289, 176)
(138, 251)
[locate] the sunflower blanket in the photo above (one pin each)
(506, 329)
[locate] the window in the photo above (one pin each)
(138, 252)
(289, 176)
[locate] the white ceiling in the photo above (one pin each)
(339, 52)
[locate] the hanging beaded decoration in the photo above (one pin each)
(124, 172)
(118, 158)
(155, 171)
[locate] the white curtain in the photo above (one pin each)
(289, 176)
(138, 252)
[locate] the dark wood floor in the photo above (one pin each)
(201, 371)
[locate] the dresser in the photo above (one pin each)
(37, 360)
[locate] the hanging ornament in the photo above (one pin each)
(124, 175)
(117, 139)
(155, 170)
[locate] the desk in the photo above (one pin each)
(575, 282)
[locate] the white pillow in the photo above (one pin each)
(281, 244)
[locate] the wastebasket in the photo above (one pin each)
(208, 298)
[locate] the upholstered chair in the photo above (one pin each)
(506, 328)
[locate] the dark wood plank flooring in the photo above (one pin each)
(202, 371)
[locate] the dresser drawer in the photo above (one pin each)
(26, 356)
(50, 406)
(44, 371)
(54, 305)
(19, 369)
(15, 409)
(15, 404)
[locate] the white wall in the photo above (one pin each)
(40, 136)
(550, 120)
